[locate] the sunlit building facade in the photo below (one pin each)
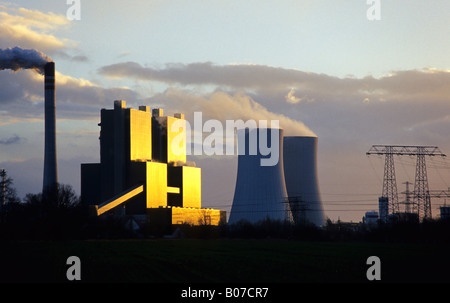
(140, 173)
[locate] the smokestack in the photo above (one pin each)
(17, 58)
(50, 165)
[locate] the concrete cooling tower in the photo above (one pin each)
(300, 172)
(260, 191)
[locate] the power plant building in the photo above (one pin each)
(444, 212)
(140, 173)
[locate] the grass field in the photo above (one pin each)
(222, 260)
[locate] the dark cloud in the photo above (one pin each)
(80, 58)
(64, 55)
(11, 140)
(22, 96)
(203, 73)
(294, 85)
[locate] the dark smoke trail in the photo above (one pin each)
(17, 58)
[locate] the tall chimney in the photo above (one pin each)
(50, 165)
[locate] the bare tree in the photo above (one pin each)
(65, 198)
(7, 191)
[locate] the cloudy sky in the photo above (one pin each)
(320, 67)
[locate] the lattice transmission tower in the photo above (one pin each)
(421, 192)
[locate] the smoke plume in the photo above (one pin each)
(223, 106)
(17, 58)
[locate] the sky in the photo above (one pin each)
(320, 67)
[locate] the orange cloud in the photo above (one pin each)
(31, 29)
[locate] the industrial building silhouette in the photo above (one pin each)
(141, 173)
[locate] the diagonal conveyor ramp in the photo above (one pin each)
(119, 199)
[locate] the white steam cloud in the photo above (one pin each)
(223, 106)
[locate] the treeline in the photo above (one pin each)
(428, 231)
(64, 217)
(38, 219)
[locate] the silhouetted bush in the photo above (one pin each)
(39, 218)
(268, 228)
(63, 217)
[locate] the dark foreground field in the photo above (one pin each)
(221, 260)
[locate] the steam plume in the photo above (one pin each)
(17, 58)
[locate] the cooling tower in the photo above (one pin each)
(50, 166)
(260, 190)
(300, 172)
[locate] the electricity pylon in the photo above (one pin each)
(421, 192)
